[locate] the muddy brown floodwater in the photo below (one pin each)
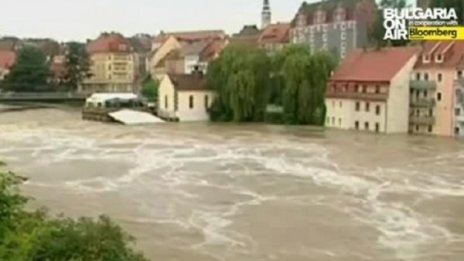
(206, 192)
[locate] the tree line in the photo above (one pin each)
(248, 82)
(31, 71)
(37, 236)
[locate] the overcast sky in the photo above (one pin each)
(81, 19)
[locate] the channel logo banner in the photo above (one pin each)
(436, 33)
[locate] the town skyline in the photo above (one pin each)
(50, 18)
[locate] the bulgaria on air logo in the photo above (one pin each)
(422, 24)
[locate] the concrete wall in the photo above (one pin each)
(199, 110)
(398, 100)
(342, 114)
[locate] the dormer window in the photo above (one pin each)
(319, 18)
(439, 58)
(426, 58)
(339, 15)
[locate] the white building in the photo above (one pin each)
(184, 97)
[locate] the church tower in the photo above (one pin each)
(266, 14)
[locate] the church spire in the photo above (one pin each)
(266, 14)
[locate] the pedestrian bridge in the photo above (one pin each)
(41, 97)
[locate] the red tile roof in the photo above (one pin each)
(452, 51)
(7, 59)
(374, 66)
(275, 33)
(109, 43)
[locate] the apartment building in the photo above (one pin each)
(370, 91)
(436, 104)
(338, 26)
(112, 65)
(166, 45)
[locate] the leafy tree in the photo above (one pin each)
(35, 236)
(29, 73)
(77, 66)
(304, 78)
(240, 77)
(150, 88)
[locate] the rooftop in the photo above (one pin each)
(7, 59)
(188, 82)
(112, 42)
(275, 33)
(374, 66)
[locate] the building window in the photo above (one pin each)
(377, 110)
(358, 106)
(439, 96)
(417, 128)
(364, 88)
(430, 129)
(191, 102)
(457, 131)
(341, 104)
(333, 121)
(166, 102)
(328, 121)
(366, 125)
(206, 102)
(368, 107)
(440, 77)
(431, 112)
(377, 127)
(426, 76)
(460, 74)
(425, 94)
(426, 58)
(109, 67)
(339, 122)
(377, 89)
(356, 125)
(457, 111)
(418, 76)
(357, 88)
(439, 58)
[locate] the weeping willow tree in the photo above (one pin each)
(304, 76)
(240, 77)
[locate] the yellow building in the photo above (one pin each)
(112, 65)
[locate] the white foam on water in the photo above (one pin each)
(400, 227)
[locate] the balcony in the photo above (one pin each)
(422, 120)
(422, 85)
(460, 119)
(423, 103)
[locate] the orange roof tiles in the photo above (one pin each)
(452, 51)
(275, 33)
(374, 66)
(7, 59)
(109, 43)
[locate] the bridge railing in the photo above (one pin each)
(43, 95)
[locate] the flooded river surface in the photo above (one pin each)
(204, 192)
